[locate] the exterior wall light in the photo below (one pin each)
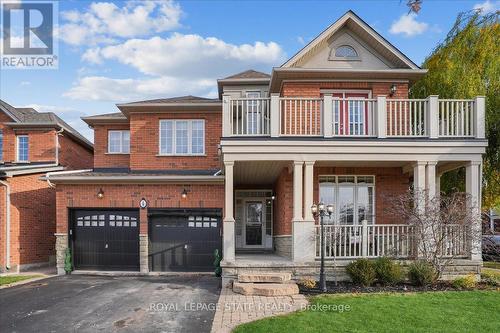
(184, 194)
(394, 88)
(100, 194)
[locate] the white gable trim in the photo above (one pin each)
(350, 15)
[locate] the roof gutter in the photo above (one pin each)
(7, 223)
(48, 174)
(132, 179)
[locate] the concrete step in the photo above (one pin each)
(264, 277)
(266, 289)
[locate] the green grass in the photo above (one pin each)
(491, 264)
(15, 278)
(452, 311)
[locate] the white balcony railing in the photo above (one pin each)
(378, 240)
(335, 117)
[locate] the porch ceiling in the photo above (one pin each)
(258, 172)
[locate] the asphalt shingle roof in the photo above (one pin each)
(179, 99)
(31, 116)
(249, 74)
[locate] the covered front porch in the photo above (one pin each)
(360, 190)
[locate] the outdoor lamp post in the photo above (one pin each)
(320, 210)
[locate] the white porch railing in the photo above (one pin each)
(354, 117)
(391, 240)
(300, 116)
(407, 117)
(249, 116)
(333, 117)
(456, 118)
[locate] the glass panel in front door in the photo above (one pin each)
(253, 225)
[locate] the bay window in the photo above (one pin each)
(182, 137)
(352, 197)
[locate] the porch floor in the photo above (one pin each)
(259, 258)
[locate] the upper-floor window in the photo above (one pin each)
(253, 114)
(118, 142)
(346, 51)
(1, 145)
(182, 137)
(22, 148)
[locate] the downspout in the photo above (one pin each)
(7, 223)
(57, 144)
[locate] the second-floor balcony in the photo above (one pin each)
(331, 117)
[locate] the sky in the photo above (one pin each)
(121, 51)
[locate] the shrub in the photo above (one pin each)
(388, 271)
(491, 278)
(307, 283)
(421, 273)
(466, 282)
(362, 271)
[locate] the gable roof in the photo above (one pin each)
(175, 100)
(361, 28)
(248, 74)
(29, 117)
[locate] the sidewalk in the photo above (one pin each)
(235, 309)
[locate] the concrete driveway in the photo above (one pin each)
(80, 303)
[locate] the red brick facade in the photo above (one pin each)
(32, 200)
(128, 196)
(144, 142)
(101, 157)
(388, 182)
(313, 89)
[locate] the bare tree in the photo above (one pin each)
(441, 228)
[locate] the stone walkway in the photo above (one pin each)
(235, 309)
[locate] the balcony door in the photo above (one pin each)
(350, 115)
(253, 113)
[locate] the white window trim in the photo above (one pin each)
(333, 57)
(121, 142)
(174, 137)
(336, 189)
(17, 149)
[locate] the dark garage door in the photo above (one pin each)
(184, 239)
(105, 240)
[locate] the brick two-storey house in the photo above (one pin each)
(32, 144)
(174, 179)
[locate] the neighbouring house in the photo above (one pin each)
(31, 144)
(176, 178)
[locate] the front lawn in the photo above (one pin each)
(452, 311)
(15, 278)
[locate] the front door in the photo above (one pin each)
(254, 223)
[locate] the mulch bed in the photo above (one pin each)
(349, 287)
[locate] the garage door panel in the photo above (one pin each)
(184, 241)
(105, 239)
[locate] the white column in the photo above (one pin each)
(419, 176)
(308, 190)
(430, 179)
(433, 116)
(473, 188)
(303, 233)
(226, 115)
(381, 116)
(438, 184)
(275, 115)
(327, 116)
(228, 225)
(297, 190)
(479, 116)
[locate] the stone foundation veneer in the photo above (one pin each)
(61, 246)
(143, 253)
(283, 245)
